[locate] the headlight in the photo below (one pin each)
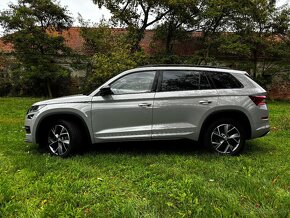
(35, 108)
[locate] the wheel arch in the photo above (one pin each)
(68, 116)
(227, 113)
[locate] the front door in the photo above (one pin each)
(127, 113)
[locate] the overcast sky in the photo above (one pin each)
(87, 9)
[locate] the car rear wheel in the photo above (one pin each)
(225, 136)
(63, 137)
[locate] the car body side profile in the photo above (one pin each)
(221, 108)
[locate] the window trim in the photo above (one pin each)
(208, 80)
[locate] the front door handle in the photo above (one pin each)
(205, 102)
(144, 105)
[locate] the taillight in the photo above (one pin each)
(258, 100)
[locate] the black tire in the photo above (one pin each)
(225, 136)
(62, 138)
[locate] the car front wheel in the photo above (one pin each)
(225, 136)
(63, 138)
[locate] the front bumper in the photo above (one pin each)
(28, 138)
(29, 131)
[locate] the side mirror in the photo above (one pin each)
(105, 90)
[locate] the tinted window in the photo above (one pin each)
(204, 83)
(183, 80)
(223, 80)
(134, 83)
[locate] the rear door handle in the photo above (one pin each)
(144, 105)
(205, 102)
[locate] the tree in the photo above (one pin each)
(169, 32)
(215, 18)
(137, 15)
(5, 83)
(260, 34)
(32, 26)
(99, 38)
(105, 66)
(183, 16)
(211, 17)
(112, 55)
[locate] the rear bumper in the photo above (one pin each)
(265, 133)
(261, 131)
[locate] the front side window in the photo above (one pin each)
(183, 81)
(134, 83)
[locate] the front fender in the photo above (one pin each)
(81, 110)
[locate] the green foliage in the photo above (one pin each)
(5, 83)
(17, 81)
(105, 66)
(98, 37)
(170, 32)
(257, 38)
(256, 33)
(32, 27)
(137, 15)
(112, 54)
(138, 179)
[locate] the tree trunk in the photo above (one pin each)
(169, 36)
(138, 36)
(207, 51)
(48, 89)
(255, 62)
(168, 48)
(206, 55)
(255, 69)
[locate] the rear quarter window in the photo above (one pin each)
(222, 80)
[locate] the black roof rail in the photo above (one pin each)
(182, 65)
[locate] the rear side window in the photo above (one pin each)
(224, 80)
(184, 80)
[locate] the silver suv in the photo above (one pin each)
(220, 108)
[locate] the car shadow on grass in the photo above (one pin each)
(172, 147)
(184, 147)
(147, 147)
(255, 148)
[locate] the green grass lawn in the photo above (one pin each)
(148, 179)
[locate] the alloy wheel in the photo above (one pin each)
(58, 140)
(225, 138)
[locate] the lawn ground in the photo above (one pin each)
(152, 179)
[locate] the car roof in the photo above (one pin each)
(185, 67)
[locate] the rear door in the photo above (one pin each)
(181, 100)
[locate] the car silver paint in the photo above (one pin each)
(164, 115)
(177, 114)
(78, 105)
(118, 117)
